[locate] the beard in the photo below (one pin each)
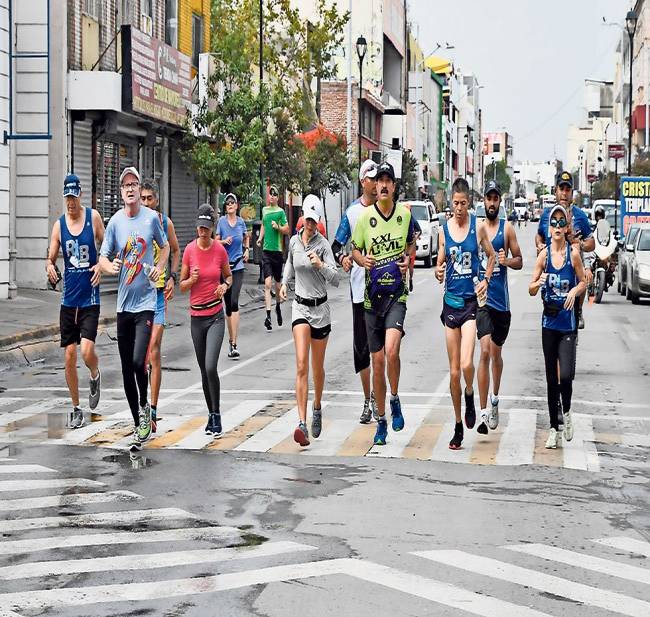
(492, 214)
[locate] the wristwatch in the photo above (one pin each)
(174, 276)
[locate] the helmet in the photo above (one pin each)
(599, 211)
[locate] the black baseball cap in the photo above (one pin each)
(564, 177)
(492, 185)
(385, 169)
(205, 216)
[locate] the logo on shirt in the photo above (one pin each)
(78, 255)
(399, 219)
(134, 251)
(461, 261)
(373, 221)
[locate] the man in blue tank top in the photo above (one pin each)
(493, 319)
(78, 233)
(458, 267)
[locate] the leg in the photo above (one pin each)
(143, 325)
(360, 347)
(483, 372)
(71, 377)
(550, 347)
(267, 293)
(318, 347)
(567, 355)
(302, 341)
(213, 342)
(379, 380)
(393, 343)
(156, 362)
(199, 331)
(125, 345)
(89, 356)
(467, 343)
(453, 340)
(497, 367)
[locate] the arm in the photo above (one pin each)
(53, 252)
(579, 289)
(108, 248)
(515, 262)
(175, 251)
(260, 238)
(486, 245)
(539, 276)
(441, 258)
(327, 266)
(186, 280)
(226, 274)
(289, 273)
(98, 228)
(342, 237)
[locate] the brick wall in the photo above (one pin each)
(334, 108)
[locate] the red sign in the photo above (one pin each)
(616, 151)
(592, 177)
(156, 78)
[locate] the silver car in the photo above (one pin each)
(638, 266)
(424, 212)
(625, 247)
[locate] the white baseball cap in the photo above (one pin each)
(310, 213)
(129, 170)
(368, 169)
(312, 202)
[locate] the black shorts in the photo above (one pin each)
(360, 349)
(272, 262)
(456, 317)
(316, 333)
(78, 323)
(493, 322)
(378, 323)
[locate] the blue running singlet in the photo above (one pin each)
(462, 260)
(498, 295)
(559, 283)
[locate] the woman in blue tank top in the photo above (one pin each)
(560, 275)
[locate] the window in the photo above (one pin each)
(171, 23)
(127, 12)
(368, 122)
(197, 39)
(91, 8)
(146, 17)
(496, 147)
(146, 8)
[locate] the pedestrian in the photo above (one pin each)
(360, 351)
(206, 274)
(493, 319)
(274, 226)
(78, 232)
(129, 238)
(310, 262)
(381, 243)
(234, 236)
(149, 196)
(458, 267)
(560, 275)
(580, 232)
(417, 233)
(312, 202)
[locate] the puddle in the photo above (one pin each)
(129, 460)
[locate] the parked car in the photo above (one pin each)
(480, 211)
(625, 246)
(424, 213)
(638, 266)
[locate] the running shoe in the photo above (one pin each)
(316, 422)
(209, 427)
(154, 419)
(373, 406)
(144, 428)
(77, 418)
(581, 321)
(382, 432)
(366, 414)
(483, 426)
(94, 385)
(235, 352)
(470, 410)
(267, 324)
(457, 439)
(301, 435)
(493, 416)
(230, 348)
(568, 426)
(278, 314)
(553, 440)
(217, 429)
(136, 444)
(397, 419)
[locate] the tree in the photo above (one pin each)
(641, 165)
(541, 189)
(605, 187)
(503, 178)
(408, 184)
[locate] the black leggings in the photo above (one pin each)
(559, 346)
(207, 336)
(133, 336)
(232, 295)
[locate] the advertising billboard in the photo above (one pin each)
(635, 201)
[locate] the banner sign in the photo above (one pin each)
(635, 201)
(156, 78)
(616, 151)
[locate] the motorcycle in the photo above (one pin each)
(603, 260)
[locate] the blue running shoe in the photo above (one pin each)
(396, 414)
(382, 432)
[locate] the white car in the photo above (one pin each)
(638, 266)
(424, 213)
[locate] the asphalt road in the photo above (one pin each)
(252, 526)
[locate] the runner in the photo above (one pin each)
(233, 235)
(274, 226)
(493, 319)
(384, 232)
(79, 231)
(458, 266)
(360, 351)
(560, 274)
(580, 232)
(129, 237)
(310, 262)
(312, 202)
(164, 290)
(205, 266)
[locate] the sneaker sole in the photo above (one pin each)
(217, 435)
(300, 439)
(380, 442)
(482, 429)
(135, 447)
(455, 447)
(470, 420)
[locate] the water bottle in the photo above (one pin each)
(147, 270)
(482, 299)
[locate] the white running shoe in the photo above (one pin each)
(552, 441)
(568, 426)
(493, 416)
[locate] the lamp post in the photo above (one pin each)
(494, 169)
(630, 25)
(472, 146)
(466, 140)
(362, 47)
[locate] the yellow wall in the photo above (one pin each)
(185, 10)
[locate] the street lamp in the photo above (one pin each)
(630, 25)
(362, 47)
(466, 140)
(494, 169)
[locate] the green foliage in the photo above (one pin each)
(541, 189)
(328, 166)
(502, 176)
(408, 184)
(641, 165)
(605, 187)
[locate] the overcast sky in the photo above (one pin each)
(532, 56)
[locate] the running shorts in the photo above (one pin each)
(77, 323)
(272, 262)
(456, 317)
(360, 349)
(161, 305)
(378, 323)
(316, 333)
(493, 322)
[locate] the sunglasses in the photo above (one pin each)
(561, 223)
(273, 194)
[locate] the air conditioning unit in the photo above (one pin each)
(376, 156)
(146, 24)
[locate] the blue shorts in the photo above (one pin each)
(161, 305)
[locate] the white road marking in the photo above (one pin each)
(582, 560)
(629, 439)
(90, 430)
(127, 517)
(49, 405)
(272, 434)
(580, 452)
(148, 561)
(8, 400)
(58, 501)
(33, 485)
(547, 583)
(168, 424)
(411, 584)
(517, 444)
(630, 545)
(7, 469)
(441, 451)
(17, 547)
(396, 442)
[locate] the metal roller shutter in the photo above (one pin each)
(83, 159)
(186, 197)
(112, 157)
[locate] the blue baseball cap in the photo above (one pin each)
(72, 186)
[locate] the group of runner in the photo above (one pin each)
(472, 264)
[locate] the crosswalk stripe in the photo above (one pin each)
(24, 413)
(170, 439)
(588, 562)
(165, 427)
(289, 446)
(86, 432)
(441, 451)
(547, 583)
(337, 425)
(11, 469)
(17, 547)
(241, 433)
(272, 434)
(517, 443)
(149, 561)
(630, 545)
(397, 442)
(542, 456)
(9, 400)
(580, 452)
(421, 445)
(33, 485)
(359, 441)
(127, 517)
(56, 501)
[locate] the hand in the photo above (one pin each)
(246, 254)
(154, 273)
(228, 240)
(542, 279)
(403, 265)
(51, 273)
(169, 289)
(589, 276)
(283, 292)
(117, 264)
(275, 225)
(258, 242)
(368, 262)
(481, 288)
(315, 260)
(570, 300)
(194, 275)
(96, 277)
(220, 291)
(440, 272)
(501, 257)
(346, 262)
